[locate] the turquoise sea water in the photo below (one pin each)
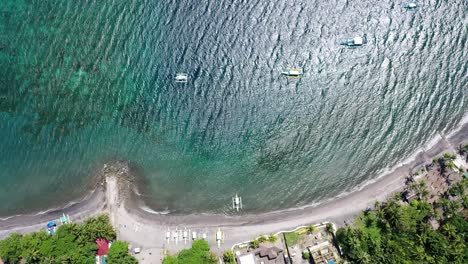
(83, 82)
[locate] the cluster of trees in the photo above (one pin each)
(71, 243)
(118, 254)
(199, 254)
(418, 232)
(446, 162)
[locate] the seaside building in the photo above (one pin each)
(263, 255)
(409, 195)
(103, 249)
(246, 259)
(323, 253)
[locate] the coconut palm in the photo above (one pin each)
(362, 257)
(330, 229)
(311, 229)
(272, 238)
(449, 230)
(376, 204)
(392, 214)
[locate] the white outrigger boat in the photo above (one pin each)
(411, 5)
(181, 78)
(219, 237)
(237, 202)
(168, 235)
(293, 72)
(355, 42)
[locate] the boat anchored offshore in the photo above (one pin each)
(411, 5)
(355, 42)
(181, 77)
(293, 72)
(237, 203)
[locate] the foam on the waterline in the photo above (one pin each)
(386, 171)
(462, 122)
(6, 218)
(151, 211)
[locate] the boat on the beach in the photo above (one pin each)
(355, 41)
(237, 202)
(65, 219)
(168, 235)
(292, 72)
(411, 5)
(51, 227)
(181, 77)
(219, 237)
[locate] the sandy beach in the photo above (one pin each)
(114, 194)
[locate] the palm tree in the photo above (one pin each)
(376, 205)
(330, 229)
(449, 230)
(418, 252)
(392, 214)
(367, 211)
(420, 188)
(451, 207)
(423, 195)
(311, 229)
(362, 257)
(272, 238)
(422, 239)
(458, 252)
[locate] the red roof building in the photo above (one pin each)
(103, 247)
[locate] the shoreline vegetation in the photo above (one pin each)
(69, 243)
(426, 223)
(116, 189)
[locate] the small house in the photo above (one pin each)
(103, 250)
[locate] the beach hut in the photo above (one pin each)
(269, 252)
(103, 249)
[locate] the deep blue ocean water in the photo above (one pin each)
(83, 82)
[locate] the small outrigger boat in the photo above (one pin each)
(181, 77)
(237, 202)
(355, 42)
(293, 72)
(411, 5)
(51, 227)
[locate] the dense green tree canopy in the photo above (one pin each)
(198, 254)
(72, 243)
(402, 233)
(118, 254)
